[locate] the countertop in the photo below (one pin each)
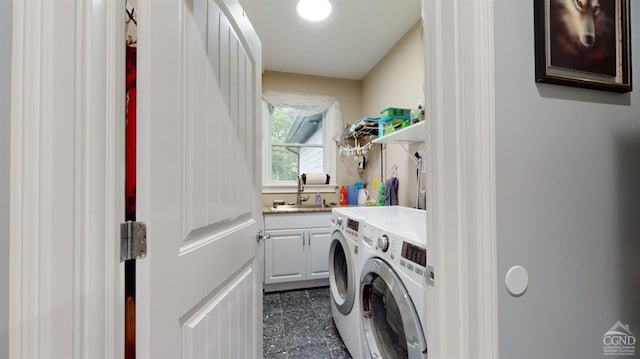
(304, 209)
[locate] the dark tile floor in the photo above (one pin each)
(298, 324)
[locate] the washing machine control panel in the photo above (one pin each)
(353, 224)
(349, 226)
(417, 255)
(407, 256)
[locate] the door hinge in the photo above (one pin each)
(133, 240)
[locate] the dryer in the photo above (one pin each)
(393, 284)
(346, 226)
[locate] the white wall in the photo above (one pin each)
(568, 201)
(5, 102)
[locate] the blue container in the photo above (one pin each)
(352, 195)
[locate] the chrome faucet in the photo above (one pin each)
(299, 197)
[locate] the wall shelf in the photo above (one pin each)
(412, 134)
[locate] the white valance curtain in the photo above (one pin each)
(307, 105)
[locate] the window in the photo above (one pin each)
(296, 144)
(297, 138)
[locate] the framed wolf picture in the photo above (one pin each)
(583, 43)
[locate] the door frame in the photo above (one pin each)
(67, 179)
(90, 35)
(462, 320)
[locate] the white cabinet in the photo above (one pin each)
(284, 255)
(298, 250)
(318, 253)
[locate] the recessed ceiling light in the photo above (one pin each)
(314, 10)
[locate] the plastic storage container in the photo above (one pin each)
(389, 124)
(393, 119)
(395, 112)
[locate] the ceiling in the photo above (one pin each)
(357, 34)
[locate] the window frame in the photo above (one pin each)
(329, 157)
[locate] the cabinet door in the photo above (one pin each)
(284, 257)
(318, 253)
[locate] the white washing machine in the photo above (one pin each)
(393, 284)
(344, 278)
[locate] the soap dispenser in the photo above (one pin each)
(318, 199)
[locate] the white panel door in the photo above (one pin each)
(199, 81)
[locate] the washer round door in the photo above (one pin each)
(391, 324)
(341, 274)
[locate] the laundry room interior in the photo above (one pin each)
(396, 79)
(372, 169)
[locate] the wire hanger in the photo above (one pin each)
(394, 171)
(358, 151)
(131, 14)
(131, 18)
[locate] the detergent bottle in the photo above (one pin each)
(343, 196)
(381, 190)
(363, 196)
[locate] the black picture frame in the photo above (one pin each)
(567, 54)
